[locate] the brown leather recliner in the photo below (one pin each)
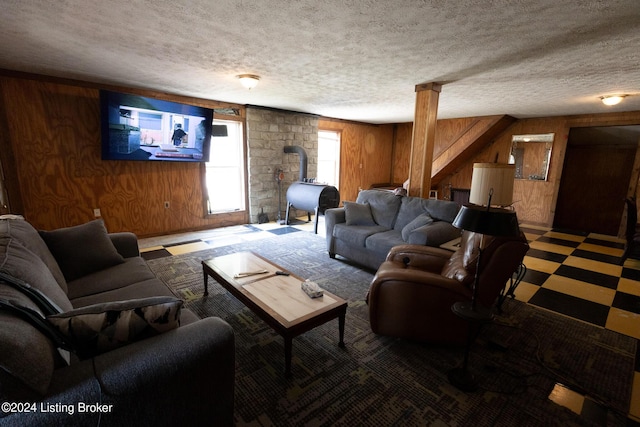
(413, 290)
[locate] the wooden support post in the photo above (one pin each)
(423, 139)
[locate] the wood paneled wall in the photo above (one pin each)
(50, 150)
(534, 201)
(365, 155)
(53, 132)
(402, 151)
(447, 131)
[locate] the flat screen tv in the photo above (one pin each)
(135, 127)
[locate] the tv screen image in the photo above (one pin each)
(139, 128)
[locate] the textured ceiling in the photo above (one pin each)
(349, 59)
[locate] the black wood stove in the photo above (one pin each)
(309, 196)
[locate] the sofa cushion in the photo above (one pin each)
(356, 234)
(384, 206)
(26, 354)
(82, 249)
(439, 210)
(103, 327)
(132, 270)
(358, 214)
(382, 242)
(27, 236)
(145, 289)
(442, 210)
(419, 221)
(20, 262)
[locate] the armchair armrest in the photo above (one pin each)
(126, 244)
(420, 257)
(419, 278)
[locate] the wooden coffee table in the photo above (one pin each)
(276, 299)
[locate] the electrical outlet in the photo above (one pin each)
(166, 205)
(96, 213)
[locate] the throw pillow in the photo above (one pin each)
(99, 328)
(358, 214)
(419, 221)
(82, 249)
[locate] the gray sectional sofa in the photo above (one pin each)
(148, 360)
(365, 230)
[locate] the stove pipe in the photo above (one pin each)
(295, 149)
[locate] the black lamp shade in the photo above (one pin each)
(486, 220)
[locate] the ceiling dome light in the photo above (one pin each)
(612, 100)
(249, 80)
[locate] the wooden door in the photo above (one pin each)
(594, 183)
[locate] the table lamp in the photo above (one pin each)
(484, 220)
(495, 177)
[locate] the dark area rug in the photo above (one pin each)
(384, 381)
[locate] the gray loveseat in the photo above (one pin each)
(366, 230)
(181, 375)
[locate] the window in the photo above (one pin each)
(329, 157)
(225, 170)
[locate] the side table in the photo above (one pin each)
(452, 245)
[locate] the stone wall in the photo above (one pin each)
(268, 132)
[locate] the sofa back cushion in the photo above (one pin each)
(27, 357)
(410, 209)
(442, 210)
(384, 206)
(439, 210)
(24, 233)
(19, 262)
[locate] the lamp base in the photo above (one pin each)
(477, 314)
(462, 379)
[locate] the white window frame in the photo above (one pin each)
(225, 171)
(329, 157)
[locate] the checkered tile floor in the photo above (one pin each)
(571, 273)
(176, 244)
(579, 275)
